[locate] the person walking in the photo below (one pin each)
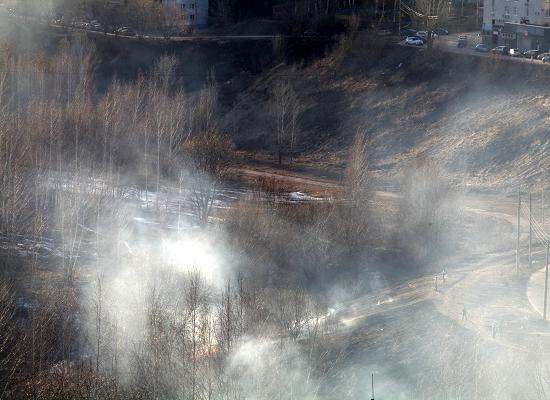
(464, 314)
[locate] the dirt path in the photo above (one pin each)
(291, 181)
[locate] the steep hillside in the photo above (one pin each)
(483, 119)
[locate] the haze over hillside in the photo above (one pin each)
(484, 120)
(317, 211)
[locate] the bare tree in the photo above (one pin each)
(171, 20)
(354, 222)
(431, 13)
(204, 112)
(9, 353)
(210, 156)
(285, 108)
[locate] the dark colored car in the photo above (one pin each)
(531, 53)
(407, 32)
(440, 31)
(482, 48)
(515, 53)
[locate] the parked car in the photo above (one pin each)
(531, 53)
(542, 55)
(422, 34)
(440, 31)
(482, 48)
(414, 41)
(407, 32)
(546, 59)
(125, 31)
(462, 41)
(424, 40)
(515, 53)
(502, 50)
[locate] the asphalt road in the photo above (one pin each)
(420, 344)
(448, 44)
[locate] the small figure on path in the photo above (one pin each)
(464, 314)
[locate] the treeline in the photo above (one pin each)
(181, 338)
(243, 9)
(90, 308)
(52, 122)
(145, 16)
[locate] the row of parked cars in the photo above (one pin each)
(506, 51)
(95, 25)
(418, 38)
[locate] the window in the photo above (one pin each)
(515, 11)
(506, 10)
(182, 5)
(547, 12)
(192, 6)
(191, 17)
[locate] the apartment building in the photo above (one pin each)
(522, 24)
(196, 11)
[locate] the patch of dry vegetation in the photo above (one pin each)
(482, 119)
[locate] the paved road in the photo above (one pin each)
(494, 295)
(420, 346)
(190, 38)
(449, 44)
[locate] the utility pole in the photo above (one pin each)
(546, 282)
(530, 229)
(372, 385)
(519, 220)
(542, 207)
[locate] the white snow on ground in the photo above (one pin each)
(299, 196)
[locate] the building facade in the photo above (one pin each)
(196, 11)
(521, 24)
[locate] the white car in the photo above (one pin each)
(422, 34)
(414, 41)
